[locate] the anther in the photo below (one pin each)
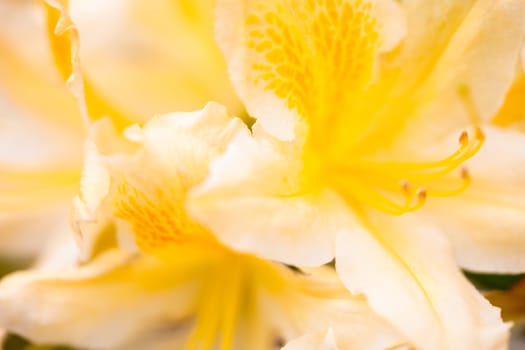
(464, 139)
(405, 186)
(480, 135)
(465, 174)
(421, 193)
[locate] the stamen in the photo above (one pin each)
(466, 97)
(362, 192)
(375, 182)
(465, 183)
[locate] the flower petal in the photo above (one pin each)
(194, 294)
(29, 80)
(294, 61)
(455, 65)
(177, 147)
(64, 43)
(512, 113)
(253, 201)
(408, 275)
(102, 305)
(485, 223)
(153, 57)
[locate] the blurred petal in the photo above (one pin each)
(512, 113)
(485, 223)
(64, 43)
(121, 302)
(458, 76)
(152, 57)
(409, 276)
(27, 77)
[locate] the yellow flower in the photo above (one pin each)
(366, 131)
(140, 58)
(172, 285)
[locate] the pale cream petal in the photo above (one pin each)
(486, 222)
(105, 305)
(454, 66)
(24, 233)
(408, 273)
(202, 294)
(253, 199)
(185, 143)
(315, 341)
(177, 147)
(153, 57)
(327, 316)
(27, 75)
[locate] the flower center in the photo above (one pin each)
(397, 187)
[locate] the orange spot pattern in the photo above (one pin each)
(312, 53)
(156, 222)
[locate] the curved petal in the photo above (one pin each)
(459, 76)
(194, 295)
(63, 38)
(253, 201)
(100, 304)
(24, 233)
(409, 276)
(177, 147)
(27, 76)
(485, 223)
(512, 113)
(153, 57)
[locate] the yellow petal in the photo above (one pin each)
(27, 76)
(409, 276)
(512, 113)
(64, 43)
(485, 222)
(153, 57)
(303, 60)
(253, 198)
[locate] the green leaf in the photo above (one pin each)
(16, 342)
(493, 281)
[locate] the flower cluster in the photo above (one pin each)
(379, 153)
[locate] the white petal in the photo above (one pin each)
(409, 276)
(103, 305)
(486, 222)
(253, 202)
